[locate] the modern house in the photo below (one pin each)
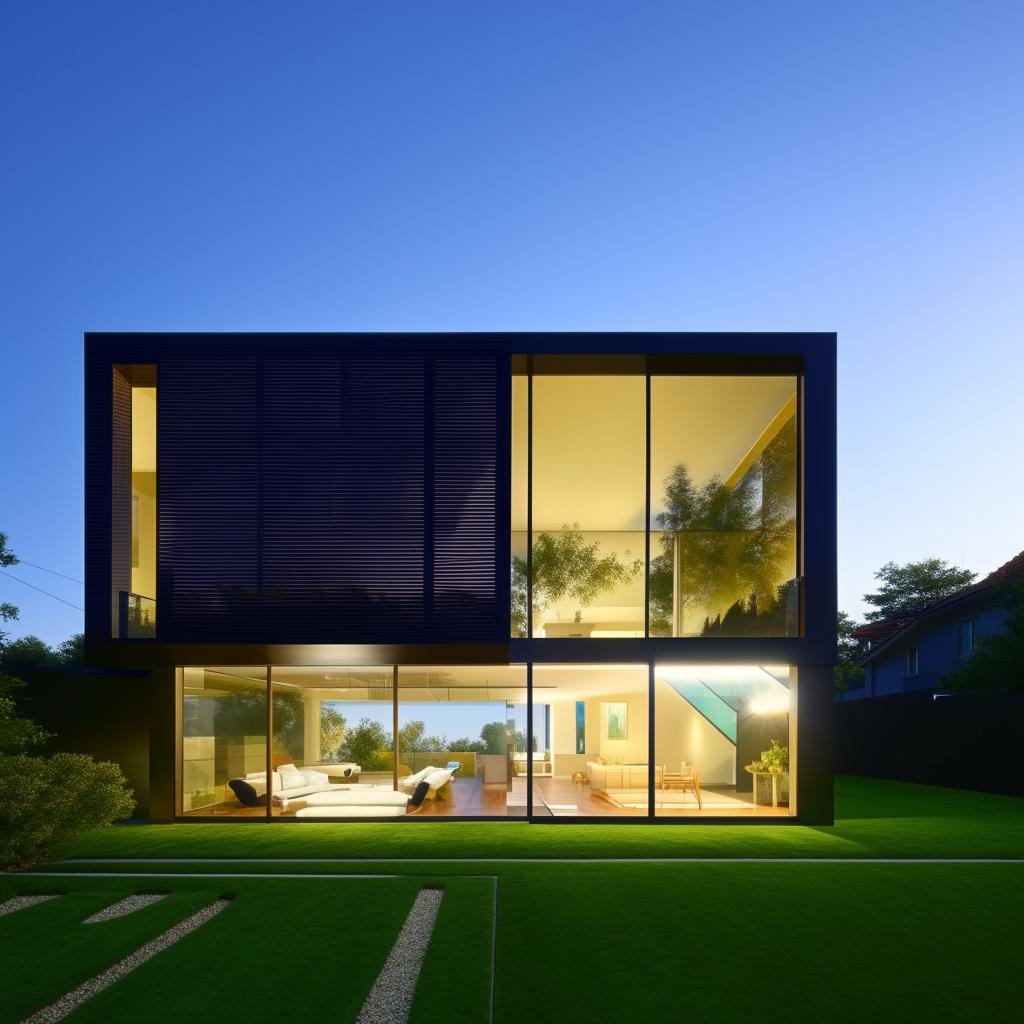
(914, 651)
(560, 577)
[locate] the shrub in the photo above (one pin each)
(46, 801)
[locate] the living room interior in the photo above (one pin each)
(463, 731)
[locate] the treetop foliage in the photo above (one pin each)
(910, 587)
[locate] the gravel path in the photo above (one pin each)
(390, 999)
(122, 908)
(67, 1003)
(21, 902)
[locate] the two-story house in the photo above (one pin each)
(560, 577)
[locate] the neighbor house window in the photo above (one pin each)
(966, 638)
(911, 661)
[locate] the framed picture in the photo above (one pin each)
(616, 719)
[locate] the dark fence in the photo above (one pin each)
(968, 742)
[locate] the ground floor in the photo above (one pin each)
(576, 741)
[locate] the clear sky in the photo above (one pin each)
(854, 167)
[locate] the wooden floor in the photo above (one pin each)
(469, 798)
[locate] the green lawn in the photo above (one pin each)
(873, 819)
(651, 942)
(322, 944)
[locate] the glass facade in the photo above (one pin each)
(605, 706)
(345, 737)
(723, 506)
(723, 740)
(702, 472)
(222, 737)
(587, 558)
(345, 742)
(469, 720)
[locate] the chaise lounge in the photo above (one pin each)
(364, 802)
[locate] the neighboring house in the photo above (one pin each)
(914, 651)
(600, 569)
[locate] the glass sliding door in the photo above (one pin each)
(602, 709)
(725, 736)
(724, 506)
(462, 728)
(333, 731)
(223, 740)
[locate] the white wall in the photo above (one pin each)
(682, 734)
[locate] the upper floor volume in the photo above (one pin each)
(469, 488)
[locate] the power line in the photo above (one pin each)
(41, 591)
(21, 561)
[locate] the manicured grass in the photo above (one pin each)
(649, 942)
(874, 818)
(283, 950)
(769, 942)
(639, 941)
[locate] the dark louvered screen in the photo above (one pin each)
(208, 485)
(331, 497)
(465, 498)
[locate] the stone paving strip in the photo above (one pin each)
(123, 908)
(390, 999)
(16, 903)
(73, 999)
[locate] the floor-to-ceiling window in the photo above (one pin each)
(724, 740)
(468, 721)
(602, 709)
(723, 506)
(706, 479)
(223, 737)
(334, 721)
(587, 558)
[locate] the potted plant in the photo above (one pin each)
(773, 762)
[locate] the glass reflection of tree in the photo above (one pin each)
(736, 545)
(567, 568)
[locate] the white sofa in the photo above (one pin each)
(287, 786)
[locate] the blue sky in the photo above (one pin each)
(562, 166)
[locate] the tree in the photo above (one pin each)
(848, 673)
(564, 567)
(8, 612)
(31, 652)
(46, 801)
(910, 587)
(996, 665)
(332, 732)
(365, 744)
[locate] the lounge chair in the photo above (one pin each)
(364, 803)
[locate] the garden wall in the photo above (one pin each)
(967, 741)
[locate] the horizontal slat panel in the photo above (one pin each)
(298, 494)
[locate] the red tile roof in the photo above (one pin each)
(880, 632)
